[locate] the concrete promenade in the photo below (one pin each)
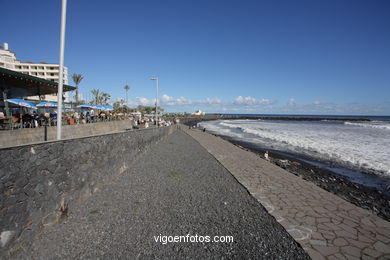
(176, 188)
(326, 226)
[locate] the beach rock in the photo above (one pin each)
(282, 163)
(5, 237)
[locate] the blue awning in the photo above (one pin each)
(21, 102)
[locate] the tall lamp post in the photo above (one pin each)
(61, 76)
(156, 79)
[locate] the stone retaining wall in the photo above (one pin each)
(33, 135)
(41, 182)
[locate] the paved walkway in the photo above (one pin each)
(176, 188)
(326, 226)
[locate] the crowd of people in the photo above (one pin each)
(34, 119)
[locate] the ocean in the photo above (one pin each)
(362, 146)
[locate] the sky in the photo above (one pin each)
(223, 56)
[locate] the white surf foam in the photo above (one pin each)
(366, 148)
(374, 124)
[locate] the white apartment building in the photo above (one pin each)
(42, 70)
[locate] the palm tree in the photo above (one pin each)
(77, 78)
(96, 94)
(121, 102)
(104, 98)
(127, 88)
(101, 98)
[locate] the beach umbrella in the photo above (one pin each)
(21, 102)
(85, 106)
(108, 108)
(47, 104)
(100, 107)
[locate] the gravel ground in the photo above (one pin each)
(176, 188)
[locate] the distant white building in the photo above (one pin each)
(199, 113)
(42, 70)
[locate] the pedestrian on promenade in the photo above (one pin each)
(76, 117)
(88, 117)
(92, 114)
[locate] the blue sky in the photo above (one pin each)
(231, 56)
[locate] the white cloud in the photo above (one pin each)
(183, 101)
(213, 101)
(240, 100)
(145, 101)
(247, 101)
(291, 102)
(171, 101)
(265, 101)
(166, 98)
(318, 102)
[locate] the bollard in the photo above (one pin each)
(45, 131)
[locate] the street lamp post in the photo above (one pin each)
(61, 74)
(156, 79)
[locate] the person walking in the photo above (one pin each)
(76, 117)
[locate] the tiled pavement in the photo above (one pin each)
(326, 226)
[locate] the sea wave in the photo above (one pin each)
(364, 149)
(373, 124)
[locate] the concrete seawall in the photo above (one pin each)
(33, 135)
(41, 182)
